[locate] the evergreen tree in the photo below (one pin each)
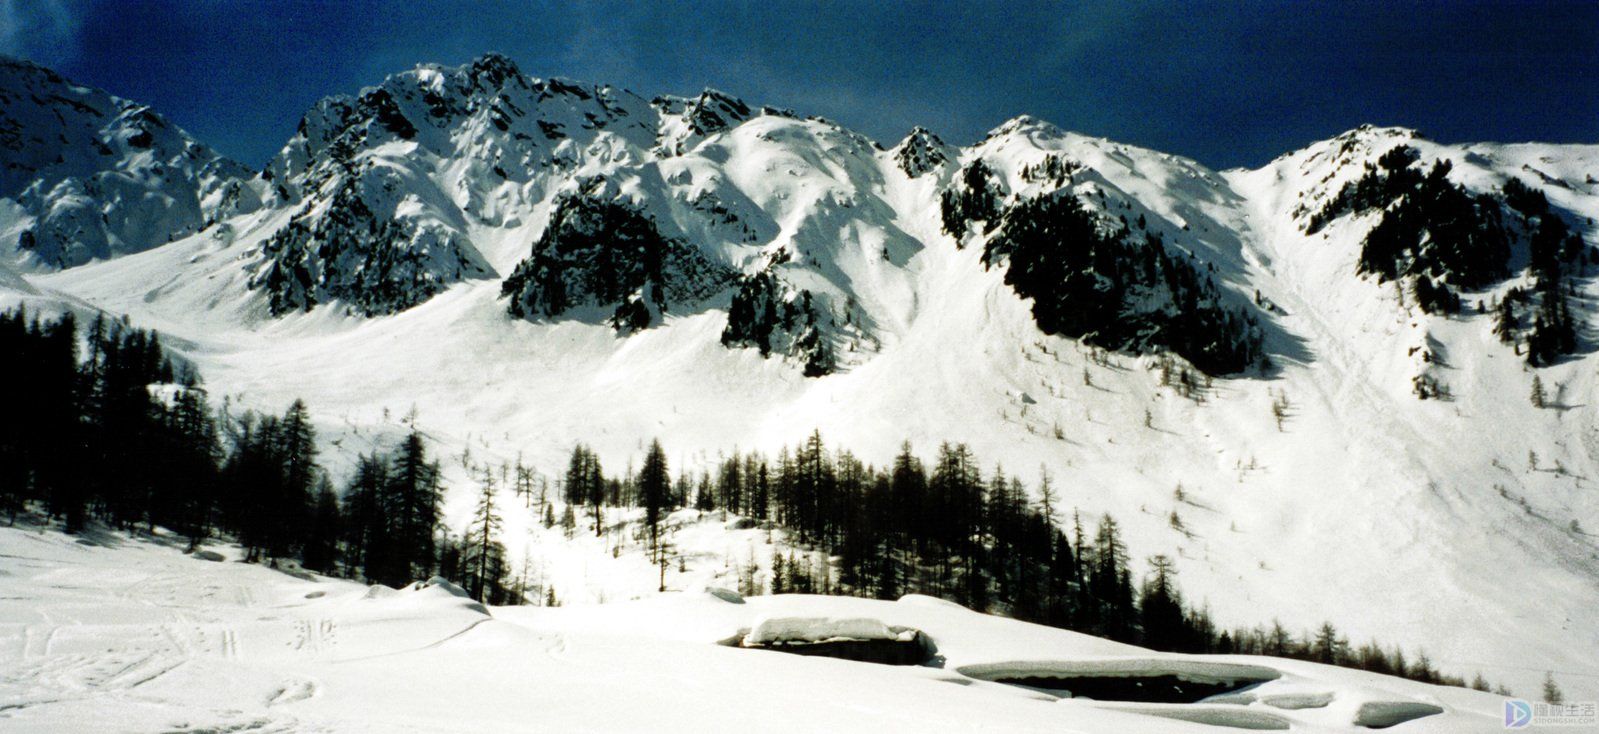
(1505, 323)
(484, 558)
(321, 552)
(654, 486)
(369, 519)
(193, 456)
(1328, 647)
(291, 509)
(1551, 691)
(1160, 608)
(413, 495)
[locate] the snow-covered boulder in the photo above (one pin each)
(789, 630)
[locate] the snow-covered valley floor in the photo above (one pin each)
(105, 632)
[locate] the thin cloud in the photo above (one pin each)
(40, 30)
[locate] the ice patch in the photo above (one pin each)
(1383, 714)
(1296, 701)
(1132, 679)
(1237, 718)
(731, 597)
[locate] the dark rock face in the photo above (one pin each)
(347, 252)
(707, 114)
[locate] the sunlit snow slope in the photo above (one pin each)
(1410, 520)
(106, 633)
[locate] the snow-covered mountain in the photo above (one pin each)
(535, 262)
(88, 176)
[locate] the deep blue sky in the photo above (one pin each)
(1227, 83)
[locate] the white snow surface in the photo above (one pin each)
(1420, 523)
(822, 629)
(111, 633)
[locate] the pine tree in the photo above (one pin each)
(193, 455)
(1538, 397)
(1160, 608)
(291, 509)
(1328, 647)
(1505, 322)
(1047, 494)
(369, 519)
(779, 581)
(321, 551)
(654, 479)
(413, 495)
(585, 483)
(484, 557)
(1551, 690)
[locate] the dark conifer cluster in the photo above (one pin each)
(1555, 254)
(765, 316)
(975, 197)
(599, 252)
(103, 424)
(1431, 229)
(1094, 282)
(122, 434)
(1446, 238)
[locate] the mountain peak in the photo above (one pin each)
(1024, 124)
(97, 176)
(921, 151)
(491, 71)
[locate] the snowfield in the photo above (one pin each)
(111, 633)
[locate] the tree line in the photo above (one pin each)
(944, 529)
(111, 428)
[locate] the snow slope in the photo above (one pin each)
(108, 633)
(1419, 522)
